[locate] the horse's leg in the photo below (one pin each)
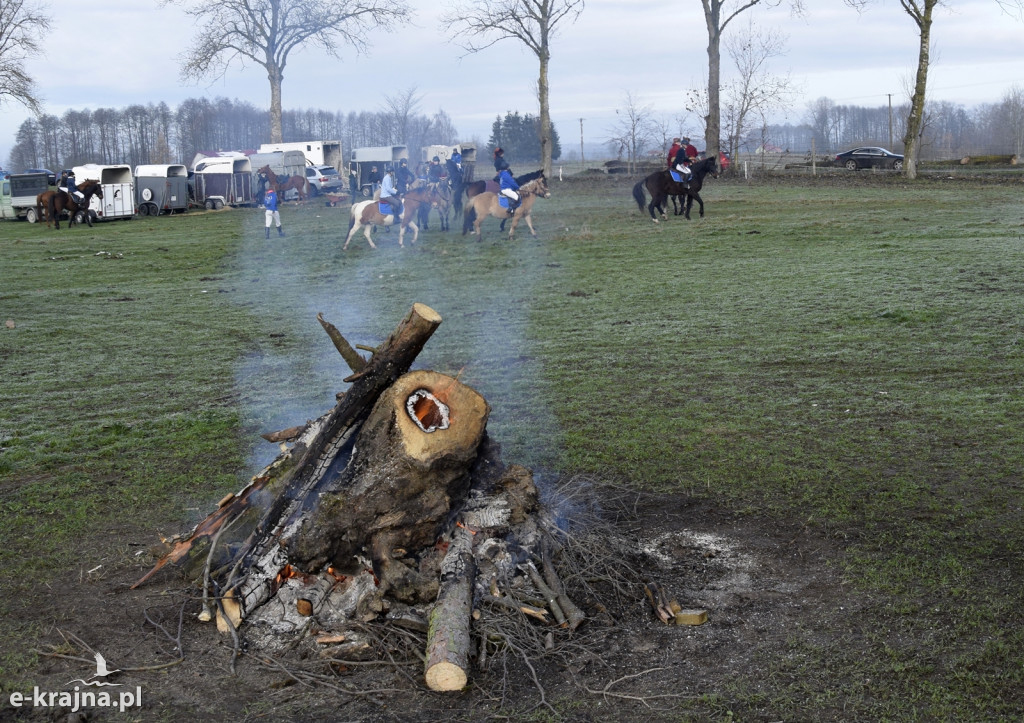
(366, 232)
(529, 224)
(351, 232)
(701, 202)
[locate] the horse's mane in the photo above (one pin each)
(533, 176)
(704, 163)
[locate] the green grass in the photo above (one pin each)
(850, 357)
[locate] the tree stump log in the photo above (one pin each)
(448, 640)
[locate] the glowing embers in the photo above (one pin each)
(429, 412)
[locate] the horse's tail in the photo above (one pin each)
(457, 200)
(468, 219)
(638, 195)
(351, 220)
(51, 211)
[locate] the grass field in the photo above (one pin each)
(843, 355)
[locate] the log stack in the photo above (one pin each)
(393, 502)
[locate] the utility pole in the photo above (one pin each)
(890, 121)
(582, 161)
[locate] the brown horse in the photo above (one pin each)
(488, 203)
(300, 184)
(365, 214)
(57, 202)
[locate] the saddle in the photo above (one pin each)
(678, 177)
(386, 209)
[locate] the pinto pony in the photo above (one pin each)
(365, 214)
(661, 185)
(488, 203)
(298, 183)
(56, 202)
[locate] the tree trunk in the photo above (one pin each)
(448, 641)
(276, 76)
(713, 120)
(922, 15)
(545, 109)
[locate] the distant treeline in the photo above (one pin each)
(154, 133)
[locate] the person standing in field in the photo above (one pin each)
(272, 214)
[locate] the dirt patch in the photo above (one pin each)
(762, 583)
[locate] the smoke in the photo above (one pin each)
(483, 291)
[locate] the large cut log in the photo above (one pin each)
(413, 457)
(295, 475)
(448, 640)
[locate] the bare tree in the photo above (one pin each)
(481, 23)
(921, 12)
(22, 27)
(399, 110)
(265, 32)
(633, 130)
(755, 92)
(717, 15)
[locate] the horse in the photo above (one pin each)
(486, 204)
(660, 185)
(442, 201)
(299, 184)
(365, 214)
(56, 202)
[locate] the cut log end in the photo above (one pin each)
(426, 313)
(446, 677)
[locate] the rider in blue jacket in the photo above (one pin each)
(509, 189)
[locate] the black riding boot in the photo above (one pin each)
(268, 231)
(280, 231)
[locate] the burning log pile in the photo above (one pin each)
(394, 505)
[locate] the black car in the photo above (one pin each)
(869, 157)
(51, 177)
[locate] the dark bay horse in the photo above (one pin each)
(300, 184)
(486, 204)
(56, 202)
(660, 185)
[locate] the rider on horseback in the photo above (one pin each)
(509, 189)
(682, 166)
(67, 184)
(389, 194)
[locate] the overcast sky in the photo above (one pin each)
(126, 51)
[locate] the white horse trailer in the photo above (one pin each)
(223, 181)
(118, 187)
(161, 188)
(316, 153)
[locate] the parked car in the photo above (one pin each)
(723, 161)
(51, 177)
(869, 157)
(323, 179)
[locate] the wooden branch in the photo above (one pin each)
(285, 435)
(448, 640)
(573, 615)
(355, 362)
(549, 595)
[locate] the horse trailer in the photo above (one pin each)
(220, 181)
(161, 188)
(364, 159)
(316, 153)
(118, 187)
(282, 163)
(18, 195)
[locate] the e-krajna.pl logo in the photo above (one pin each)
(90, 694)
(75, 700)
